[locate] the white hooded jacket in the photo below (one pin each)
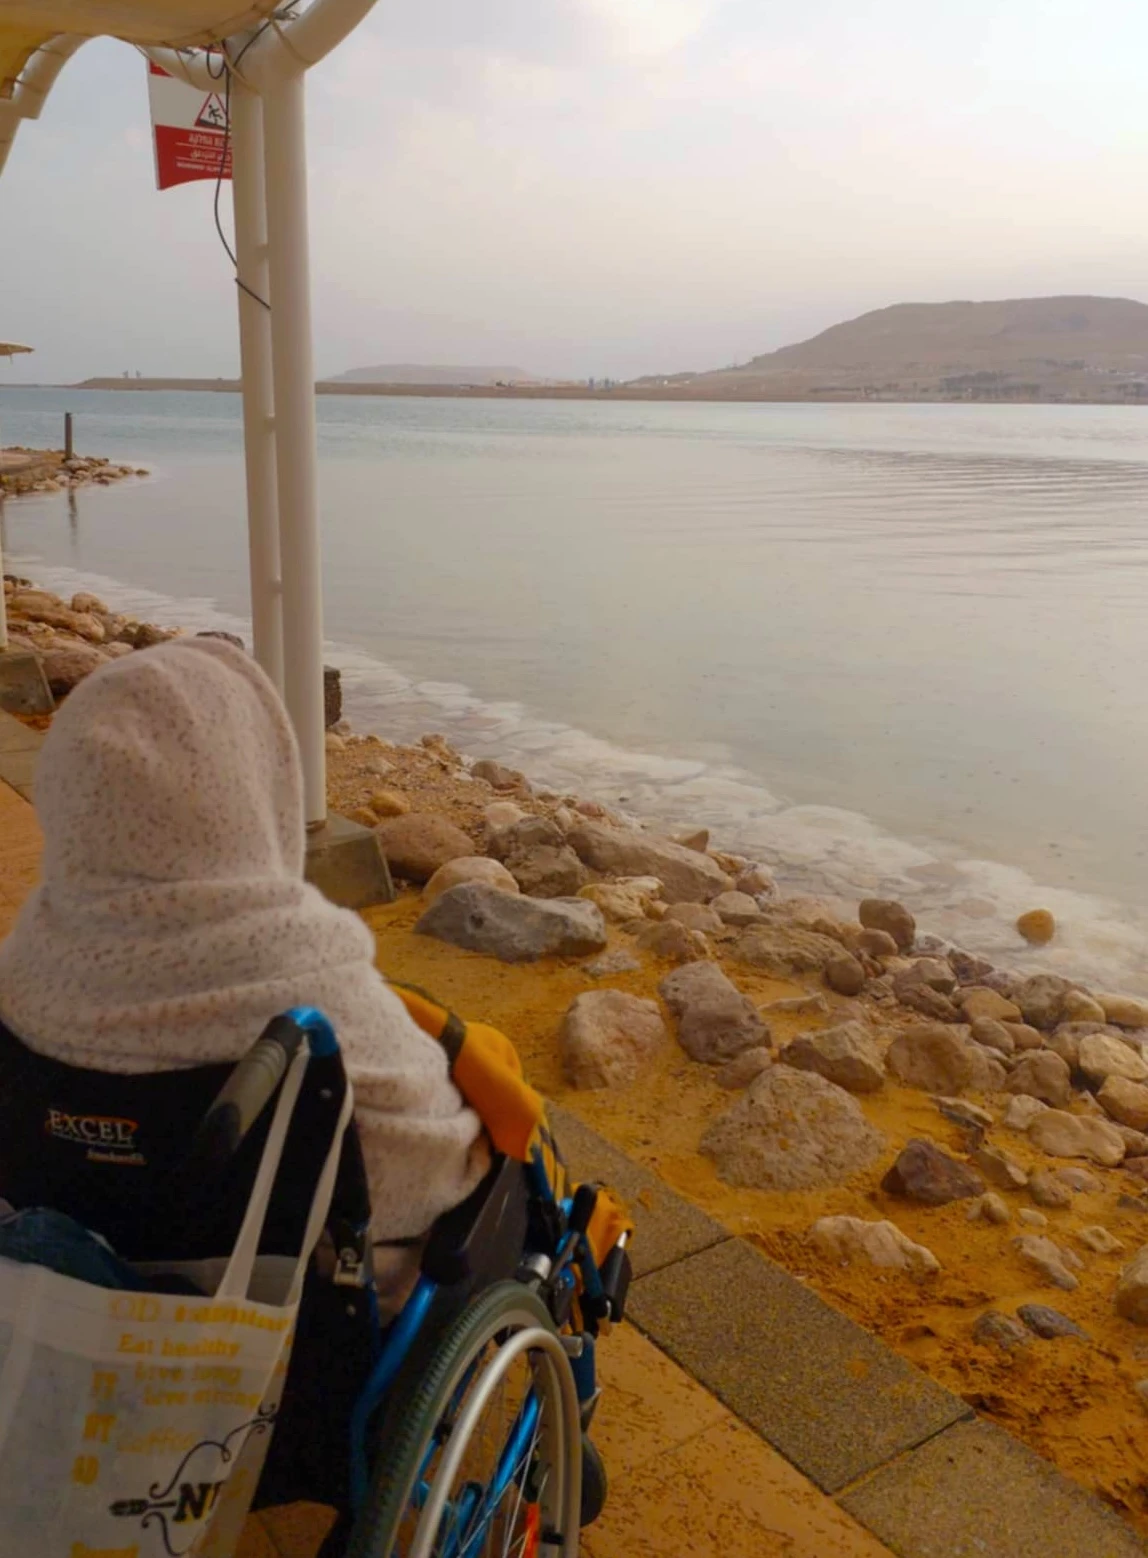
(172, 920)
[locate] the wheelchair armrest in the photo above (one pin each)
(483, 1236)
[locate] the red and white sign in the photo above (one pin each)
(189, 130)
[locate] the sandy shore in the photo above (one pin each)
(785, 1087)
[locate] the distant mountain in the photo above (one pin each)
(1062, 348)
(418, 373)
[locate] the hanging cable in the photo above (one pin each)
(225, 74)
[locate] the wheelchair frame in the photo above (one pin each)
(564, 1279)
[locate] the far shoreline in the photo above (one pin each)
(670, 393)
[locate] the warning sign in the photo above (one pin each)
(189, 131)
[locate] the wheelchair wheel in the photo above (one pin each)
(480, 1451)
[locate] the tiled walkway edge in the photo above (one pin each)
(908, 1459)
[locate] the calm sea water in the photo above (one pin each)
(892, 649)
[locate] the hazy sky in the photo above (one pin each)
(609, 186)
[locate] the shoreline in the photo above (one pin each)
(785, 394)
(807, 970)
(971, 898)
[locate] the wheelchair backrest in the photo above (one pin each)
(109, 1148)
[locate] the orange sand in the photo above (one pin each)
(1073, 1402)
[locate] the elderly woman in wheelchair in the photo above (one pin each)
(164, 989)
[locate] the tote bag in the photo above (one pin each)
(134, 1425)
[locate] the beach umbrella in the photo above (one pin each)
(257, 54)
(10, 348)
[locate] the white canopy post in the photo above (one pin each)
(256, 370)
(296, 457)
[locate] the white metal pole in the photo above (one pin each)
(285, 157)
(256, 365)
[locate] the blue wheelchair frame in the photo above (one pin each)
(396, 1341)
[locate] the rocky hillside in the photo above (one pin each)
(1063, 348)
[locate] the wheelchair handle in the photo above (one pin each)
(252, 1084)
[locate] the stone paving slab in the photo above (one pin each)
(976, 1492)
(17, 737)
(832, 1398)
(19, 749)
(667, 1229)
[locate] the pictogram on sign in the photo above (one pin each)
(213, 114)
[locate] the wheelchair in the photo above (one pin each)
(459, 1430)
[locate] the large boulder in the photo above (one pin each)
(891, 917)
(521, 833)
(695, 916)
(497, 775)
(845, 1055)
(847, 1239)
(1125, 1102)
(736, 909)
(938, 1059)
(936, 973)
(66, 668)
(689, 877)
(1041, 1074)
(513, 928)
(994, 1035)
(672, 941)
(922, 998)
(547, 871)
(417, 844)
(1124, 1010)
(468, 868)
(608, 1036)
(715, 1020)
(1079, 1006)
(922, 1172)
(1102, 1056)
(792, 1130)
(1064, 1135)
(845, 975)
(978, 1001)
(1021, 1111)
(782, 950)
(1132, 1290)
(1041, 1000)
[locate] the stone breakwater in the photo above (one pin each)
(26, 471)
(953, 1152)
(72, 638)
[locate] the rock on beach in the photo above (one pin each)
(608, 1036)
(715, 1020)
(689, 877)
(882, 1244)
(791, 1131)
(514, 928)
(846, 1055)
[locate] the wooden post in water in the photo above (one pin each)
(67, 435)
